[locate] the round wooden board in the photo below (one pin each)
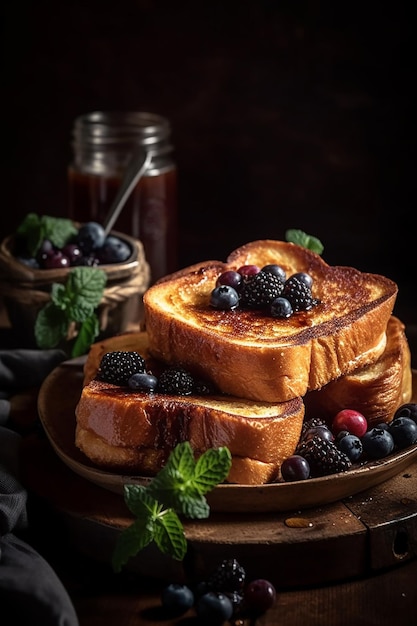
(59, 395)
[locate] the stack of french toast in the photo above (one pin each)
(270, 374)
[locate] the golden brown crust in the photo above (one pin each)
(256, 356)
(128, 419)
(375, 390)
(147, 462)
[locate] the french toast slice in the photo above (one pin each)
(147, 462)
(375, 390)
(255, 356)
(135, 432)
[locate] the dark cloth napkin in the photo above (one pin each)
(31, 593)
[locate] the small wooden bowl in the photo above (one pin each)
(25, 291)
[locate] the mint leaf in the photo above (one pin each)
(139, 501)
(34, 229)
(130, 541)
(176, 490)
(302, 239)
(57, 229)
(86, 284)
(181, 483)
(87, 334)
(31, 231)
(212, 468)
(72, 303)
(50, 326)
(59, 296)
(169, 535)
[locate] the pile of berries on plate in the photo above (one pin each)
(328, 449)
(224, 595)
(267, 288)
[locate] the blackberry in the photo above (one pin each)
(236, 598)
(203, 388)
(323, 456)
(261, 290)
(229, 576)
(299, 294)
(117, 367)
(176, 381)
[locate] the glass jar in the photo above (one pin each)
(103, 144)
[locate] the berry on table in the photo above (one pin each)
(259, 596)
(214, 608)
(228, 576)
(177, 598)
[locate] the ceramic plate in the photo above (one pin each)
(59, 395)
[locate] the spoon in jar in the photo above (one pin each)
(138, 165)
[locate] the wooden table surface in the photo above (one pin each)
(383, 592)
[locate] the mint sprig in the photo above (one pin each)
(301, 238)
(179, 488)
(35, 228)
(72, 303)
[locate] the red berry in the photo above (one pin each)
(248, 270)
(352, 421)
(259, 595)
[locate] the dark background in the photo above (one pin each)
(284, 115)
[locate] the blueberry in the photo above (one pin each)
(407, 410)
(351, 445)
(377, 443)
(177, 598)
(142, 381)
(114, 250)
(403, 431)
(90, 236)
(281, 308)
(214, 608)
(29, 262)
(224, 298)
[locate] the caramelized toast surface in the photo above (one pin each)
(249, 354)
(376, 390)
